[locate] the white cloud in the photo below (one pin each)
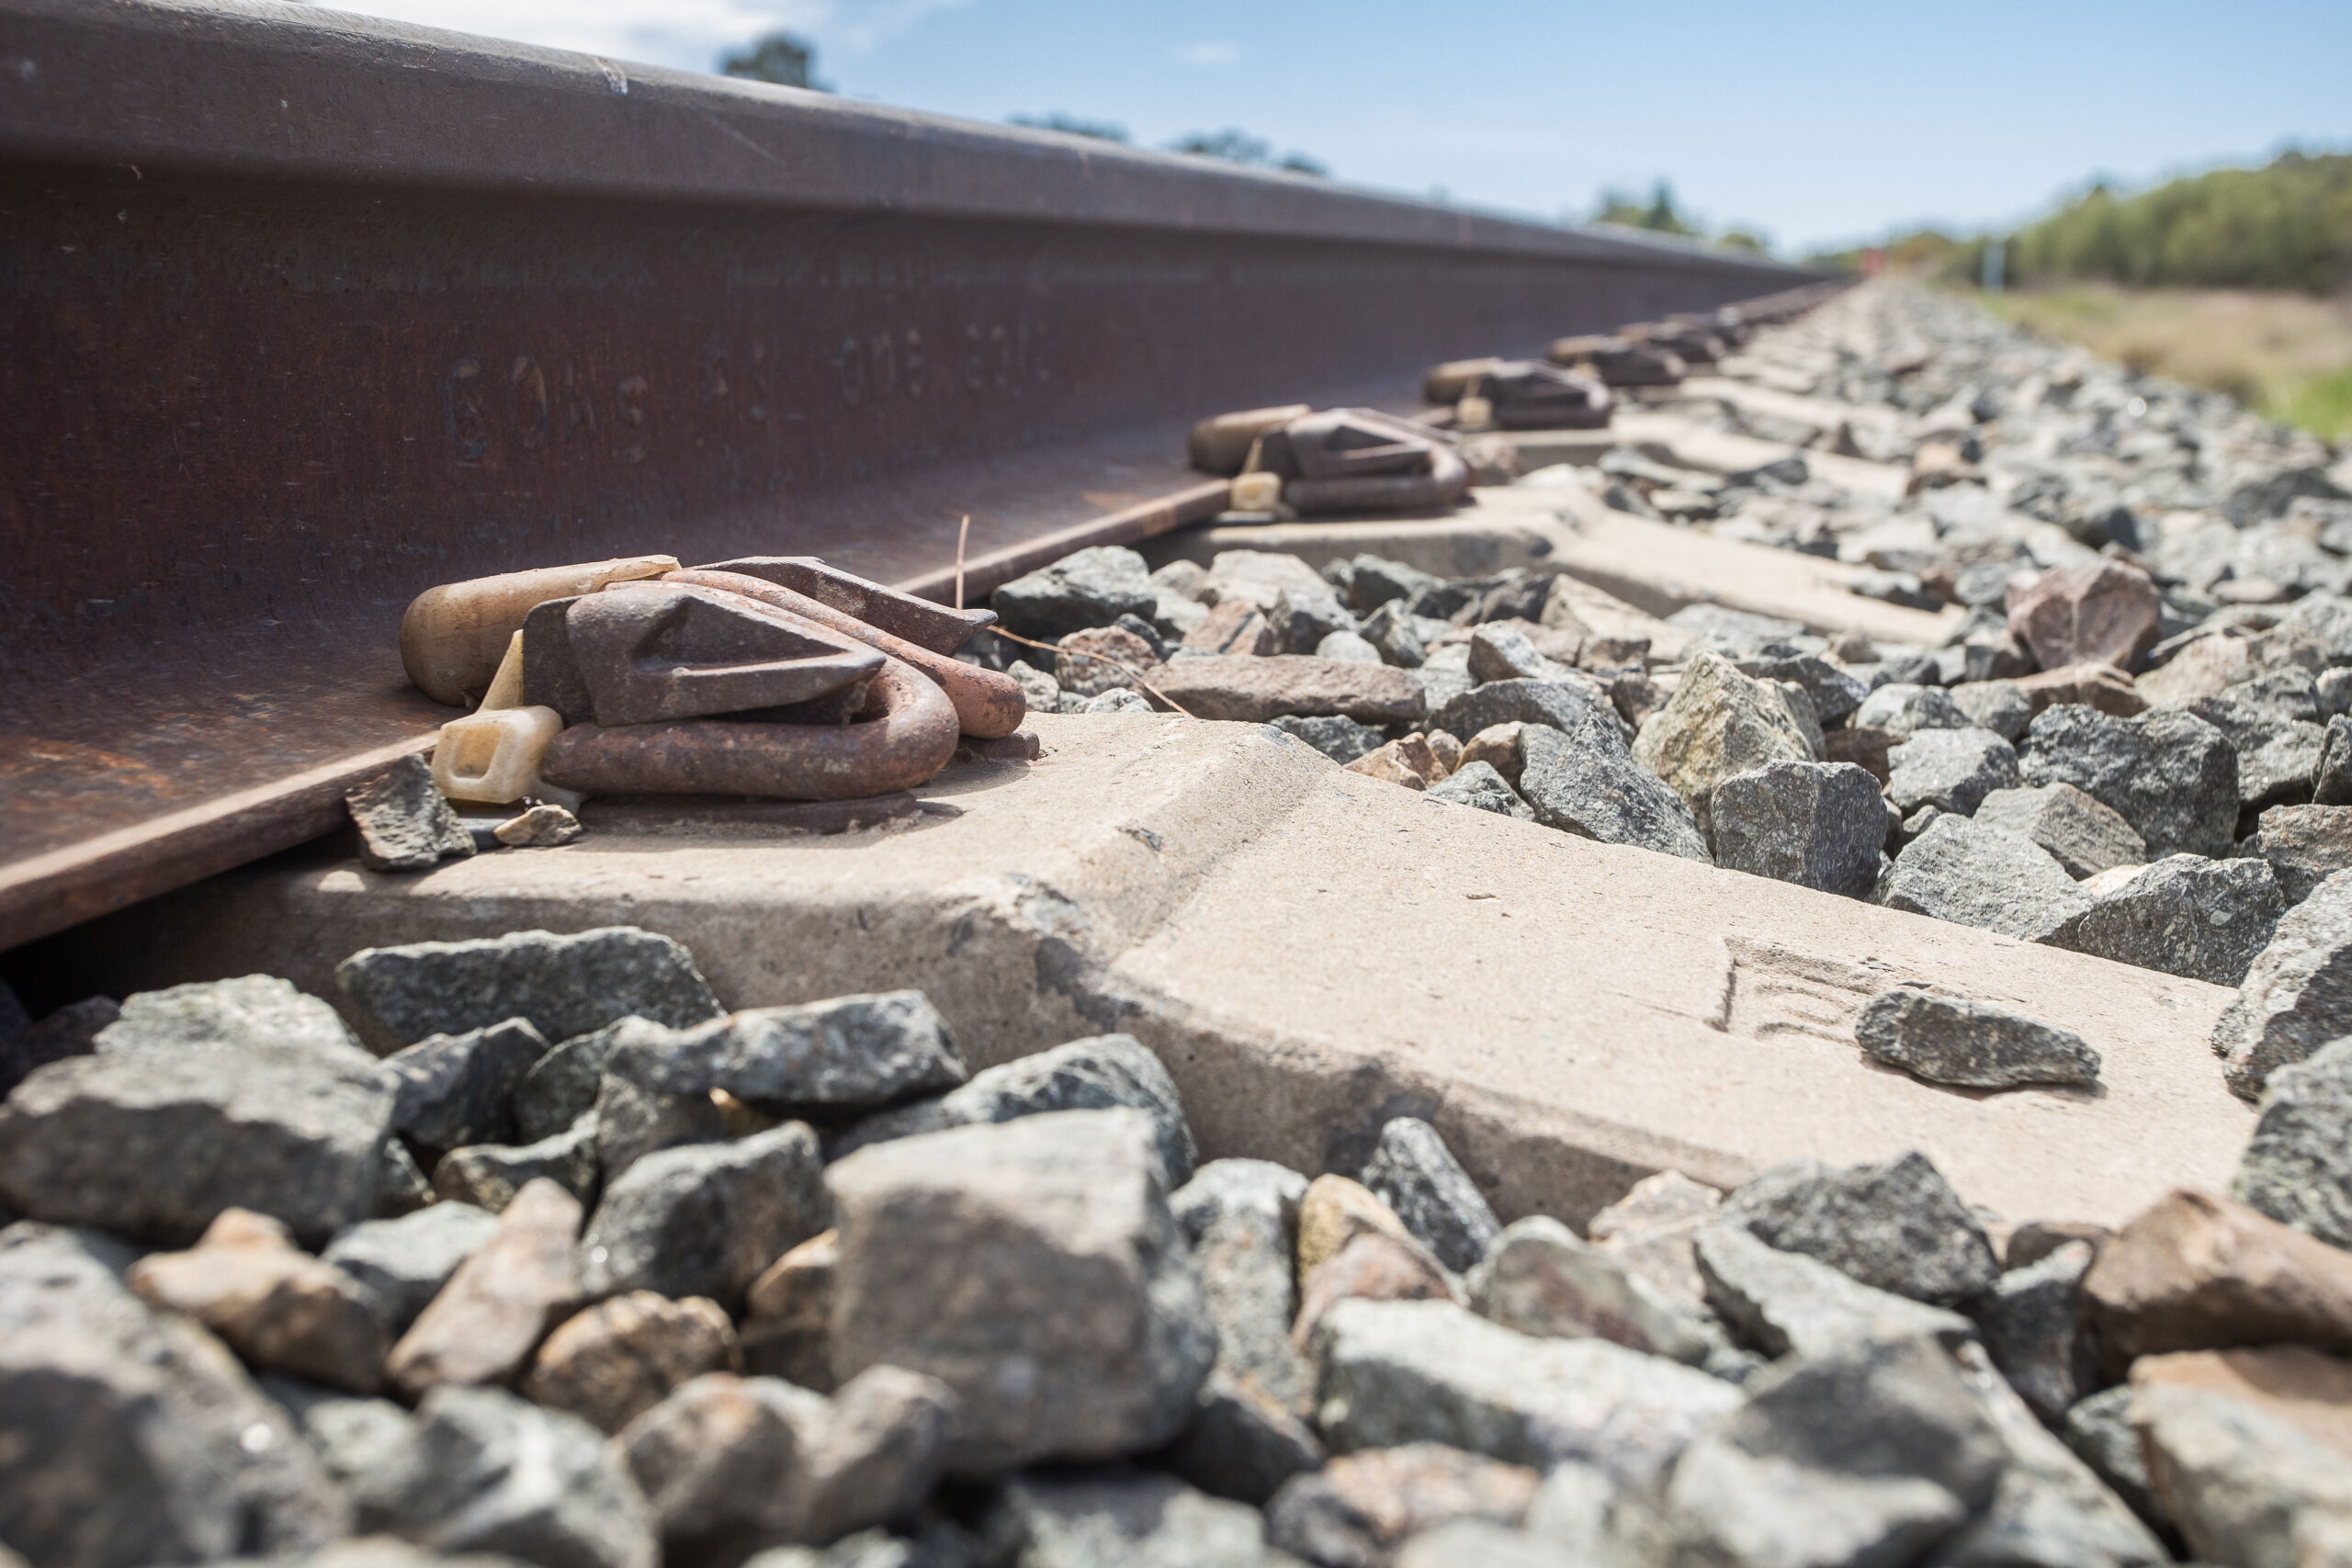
(1209, 51)
(688, 33)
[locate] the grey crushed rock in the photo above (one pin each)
(1415, 1174)
(703, 1220)
(565, 985)
(2203, 919)
(2297, 995)
(1478, 785)
(404, 821)
(1087, 588)
(252, 1009)
(1961, 871)
(2082, 834)
(850, 1052)
(2170, 774)
(1951, 770)
(1776, 1301)
(1894, 1226)
(1099, 1073)
(407, 1261)
(1584, 781)
(1953, 1040)
(1819, 825)
(2298, 1165)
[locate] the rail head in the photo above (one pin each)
(259, 87)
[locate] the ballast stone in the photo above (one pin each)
(849, 1052)
(1719, 722)
(2170, 774)
(1819, 825)
(154, 1141)
(2084, 836)
(134, 1435)
(2204, 919)
(1871, 1453)
(484, 1471)
(1084, 1518)
(1102, 1073)
(404, 821)
(2298, 1165)
(565, 985)
(705, 1219)
(1951, 770)
(1894, 1226)
(454, 1089)
(2297, 994)
(1095, 1335)
(1087, 588)
(1960, 871)
(1415, 1174)
(2305, 845)
(252, 1009)
(407, 1261)
(1972, 1044)
(1584, 781)
(1361, 1508)
(1412, 1372)
(1777, 1302)
(1477, 785)
(1238, 686)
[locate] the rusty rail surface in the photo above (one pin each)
(308, 312)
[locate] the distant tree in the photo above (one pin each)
(2286, 225)
(1742, 239)
(784, 59)
(1236, 146)
(1072, 125)
(1658, 214)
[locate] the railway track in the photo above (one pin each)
(306, 313)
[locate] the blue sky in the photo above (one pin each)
(1819, 122)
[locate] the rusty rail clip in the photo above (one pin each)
(1621, 361)
(902, 615)
(987, 702)
(644, 653)
(1361, 459)
(1525, 394)
(905, 733)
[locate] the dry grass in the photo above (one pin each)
(2289, 356)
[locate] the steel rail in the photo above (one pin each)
(306, 313)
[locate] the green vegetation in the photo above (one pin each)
(1659, 215)
(2287, 225)
(1072, 125)
(784, 59)
(1236, 146)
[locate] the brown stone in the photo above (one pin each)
(621, 1357)
(2198, 1272)
(1374, 1268)
(541, 827)
(488, 1319)
(1225, 686)
(787, 1313)
(1652, 1228)
(2305, 845)
(1864, 745)
(729, 1464)
(1236, 626)
(1099, 660)
(2098, 613)
(2299, 1386)
(2101, 686)
(2203, 669)
(1498, 746)
(277, 1306)
(2249, 1453)
(1445, 752)
(1334, 1213)
(1408, 762)
(1361, 1506)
